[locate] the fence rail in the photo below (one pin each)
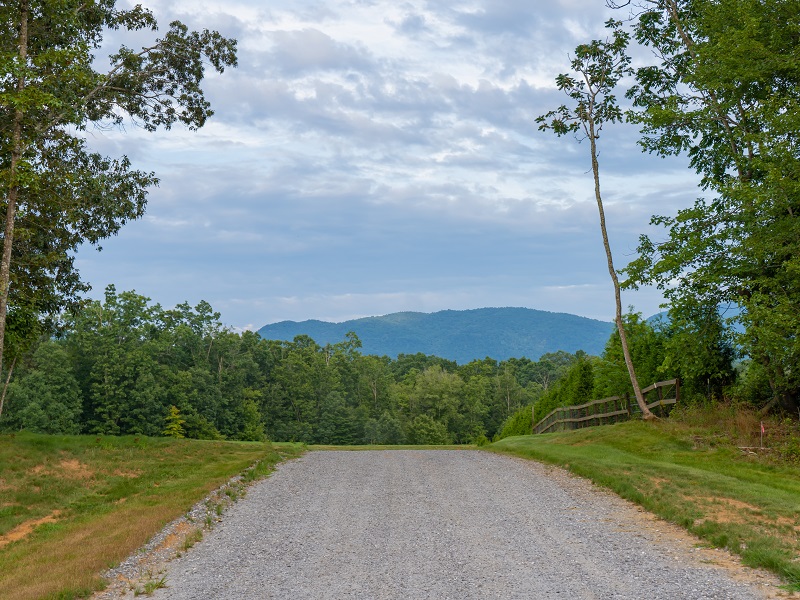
(611, 410)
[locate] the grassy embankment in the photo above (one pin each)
(73, 506)
(691, 471)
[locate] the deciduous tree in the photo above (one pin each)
(725, 91)
(56, 193)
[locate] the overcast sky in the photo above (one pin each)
(369, 157)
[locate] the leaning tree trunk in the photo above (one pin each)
(637, 390)
(13, 186)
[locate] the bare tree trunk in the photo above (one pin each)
(5, 386)
(637, 390)
(13, 189)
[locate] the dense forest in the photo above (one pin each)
(127, 366)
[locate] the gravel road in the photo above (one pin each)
(443, 525)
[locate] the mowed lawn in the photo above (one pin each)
(73, 506)
(748, 503)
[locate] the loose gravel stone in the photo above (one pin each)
(443, 525)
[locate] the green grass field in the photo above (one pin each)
(695, 477)
(73, 506)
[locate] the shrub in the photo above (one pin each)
(517, 424)
(426, 430)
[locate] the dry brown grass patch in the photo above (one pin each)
(76, 556)
(724, 510)
(730, 511)
(69, 468)
(113, 494)
(76, 469)
(131, 474)
(659, 481)
(23, 530)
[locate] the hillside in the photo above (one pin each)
(460, 335)
(105, 496)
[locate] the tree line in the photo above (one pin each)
(657, 349)
(126, 366)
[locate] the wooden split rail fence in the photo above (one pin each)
(610, 410)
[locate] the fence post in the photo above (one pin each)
(628, 404)
(533, 419)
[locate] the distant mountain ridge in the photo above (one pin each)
(459, 335)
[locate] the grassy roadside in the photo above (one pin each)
(693, 476)
(73, 506)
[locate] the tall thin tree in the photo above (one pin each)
(597, 68)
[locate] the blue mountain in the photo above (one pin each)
(459, 335)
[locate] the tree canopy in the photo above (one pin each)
(725, 91)
(57, 193)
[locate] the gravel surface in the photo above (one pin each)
(444, 524)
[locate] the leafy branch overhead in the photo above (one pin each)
(160, 85)
(596, 69)
(157, 85)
